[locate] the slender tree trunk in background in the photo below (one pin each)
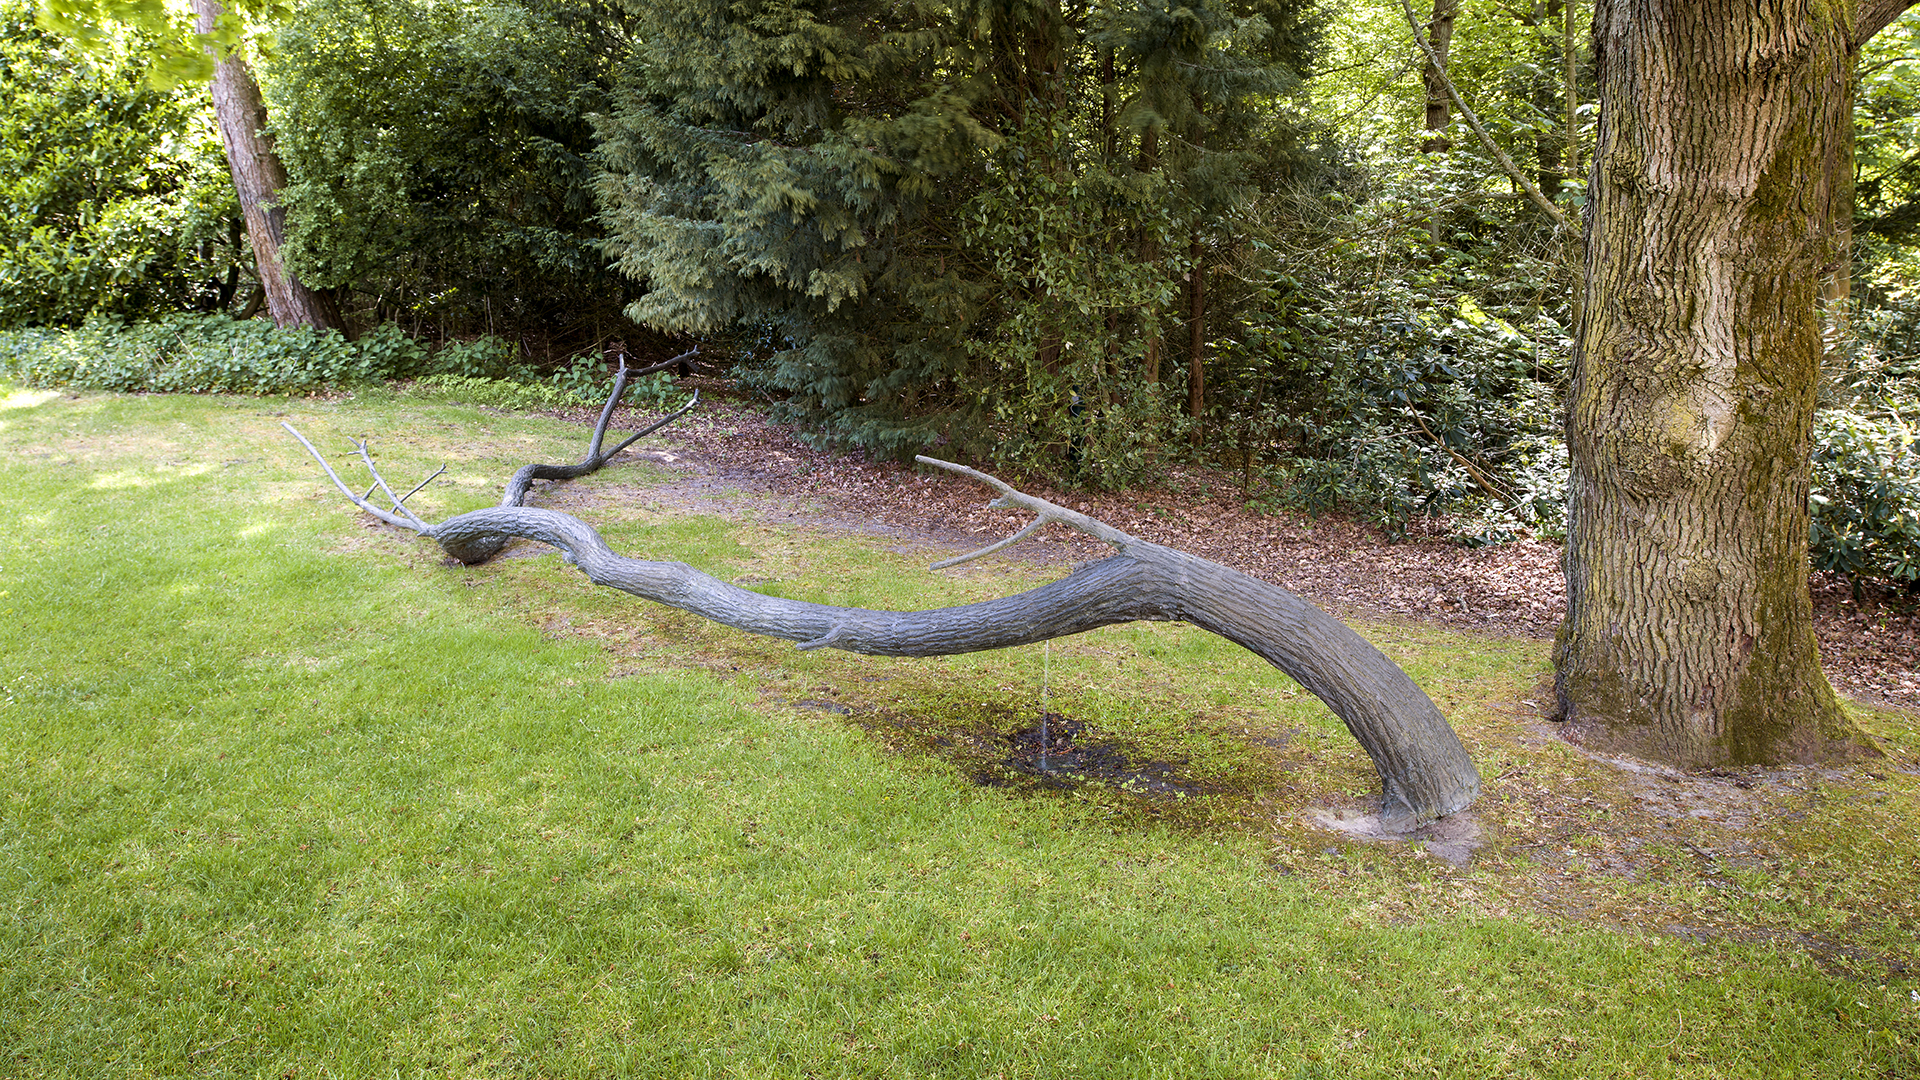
(1047, 354)
(1109, 89)
(1549, 145)
(1570, 86)
(1439, 103)
(1196, 336)
(1836, 296)
(1110, 243)
(1150, 252)
(1715, 206)
(1837, 288)
(1570, 100)
(230, 287)
(1028, 58)
(258, 178)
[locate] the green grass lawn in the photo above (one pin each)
(286, 796)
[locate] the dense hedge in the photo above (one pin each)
(1866, 497)
(215, 354)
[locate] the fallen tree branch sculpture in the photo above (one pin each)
(1424, 770)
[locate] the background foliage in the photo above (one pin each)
(217, 354)
(963, 224)
(439, 164)
(114, 197)
(1091, 241)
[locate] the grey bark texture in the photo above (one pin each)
(1424, 770)
(596, 458)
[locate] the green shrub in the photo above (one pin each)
(114, 197)
(481, 358)
(1425, 412)
(439, 159)
(1866, 497)
(586, 380)
(212, 354)
(495, 393)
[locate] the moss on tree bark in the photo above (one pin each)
(1716, 205)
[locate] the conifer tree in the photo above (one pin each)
(932, 215)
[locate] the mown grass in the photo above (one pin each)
(288, 797)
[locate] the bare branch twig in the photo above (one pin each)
(1031, 528)
(663, 365)
(399, 506)
(415, 524)
(1049, 512)
(621, 379)
(423, 483)
(656, 425)
(606, 411)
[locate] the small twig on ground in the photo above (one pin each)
(517, 487)
(422, 484)
(399, 506)
(215, 1046)
(363, 503)
(620, 380)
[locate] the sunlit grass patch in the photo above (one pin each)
(26, 399)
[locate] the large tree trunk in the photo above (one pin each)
(258, 177)
(1712, 217)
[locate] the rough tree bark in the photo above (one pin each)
(258, 177)
(596, 458)
(1714, 210)
(1437, 42)
(1425, 772)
